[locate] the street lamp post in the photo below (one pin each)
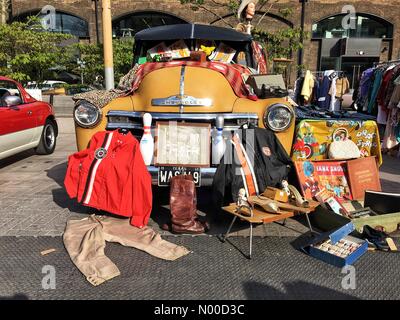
(82, 65)
(107, 45)
(303, 14)
(96, 13)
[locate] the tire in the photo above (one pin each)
(48, 139)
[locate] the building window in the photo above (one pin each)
(366, 26)
(128, 25)
(65, 23)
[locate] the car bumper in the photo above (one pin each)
(207, 175)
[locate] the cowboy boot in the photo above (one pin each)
(194, 206)
(183, 206)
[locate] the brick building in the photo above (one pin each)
(374, 34)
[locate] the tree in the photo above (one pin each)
(92, 55)
(280, 44)
(28, 52)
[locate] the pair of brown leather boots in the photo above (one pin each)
(183, 203)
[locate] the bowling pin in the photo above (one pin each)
(147, 141)
(218, 145)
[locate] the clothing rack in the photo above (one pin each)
(376, 64)
(340, 74)
(321, 73)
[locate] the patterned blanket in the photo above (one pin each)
(129, 83)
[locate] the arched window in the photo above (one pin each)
(132, 23)
(365, 26)
(64, 23)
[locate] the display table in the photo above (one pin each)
(313, 137)
(261, 217)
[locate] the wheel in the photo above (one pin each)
(48, 139)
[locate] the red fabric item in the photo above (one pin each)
(232, 73)
(383, 89)
(110, 175)
(259, 57)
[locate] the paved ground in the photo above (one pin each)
(34, 208)
(213, 271)
(34, 203)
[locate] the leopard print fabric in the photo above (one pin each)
(100, 98)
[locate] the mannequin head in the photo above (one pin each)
(250, 11)
(247, 9)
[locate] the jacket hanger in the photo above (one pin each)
(123, 130)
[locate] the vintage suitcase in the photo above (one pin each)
(382, 202)
(325, 220)
(337, 248)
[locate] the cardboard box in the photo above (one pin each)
(333, 240)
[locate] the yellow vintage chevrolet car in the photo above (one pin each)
(191, 92)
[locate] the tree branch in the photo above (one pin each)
(218, 3)
(215, 14)
(265, 13)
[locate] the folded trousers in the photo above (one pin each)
(85, 241)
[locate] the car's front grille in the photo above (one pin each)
(134, 120)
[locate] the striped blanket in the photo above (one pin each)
(131, 81)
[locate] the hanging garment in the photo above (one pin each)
(375, 89)
(308, 86)
(392, 85)
(110, 175)
(382, 115)
(334, 106)
(255, 162)
(314, 98)
(298, 98)
(323, 93)
(383, 90)
(390, 138)
(395, 98)
(85, 241)
(365, 84)
(342, 87)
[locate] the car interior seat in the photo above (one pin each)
(3, 93)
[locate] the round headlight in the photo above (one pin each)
(87, 115)
(278, 117)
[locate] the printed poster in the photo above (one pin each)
(315, 176)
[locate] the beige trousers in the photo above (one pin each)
(85, 242)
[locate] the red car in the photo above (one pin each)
(25, 123)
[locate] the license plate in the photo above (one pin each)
(166, 173)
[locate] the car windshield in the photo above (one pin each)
(195, 50)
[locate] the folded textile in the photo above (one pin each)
(85, 242)
(129, 83)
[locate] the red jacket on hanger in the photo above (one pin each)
(110, 175)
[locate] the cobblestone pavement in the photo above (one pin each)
(33, 201)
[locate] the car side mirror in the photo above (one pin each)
(11, 101)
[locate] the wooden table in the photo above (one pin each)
(261, 217)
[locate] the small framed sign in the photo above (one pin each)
(182, 144)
